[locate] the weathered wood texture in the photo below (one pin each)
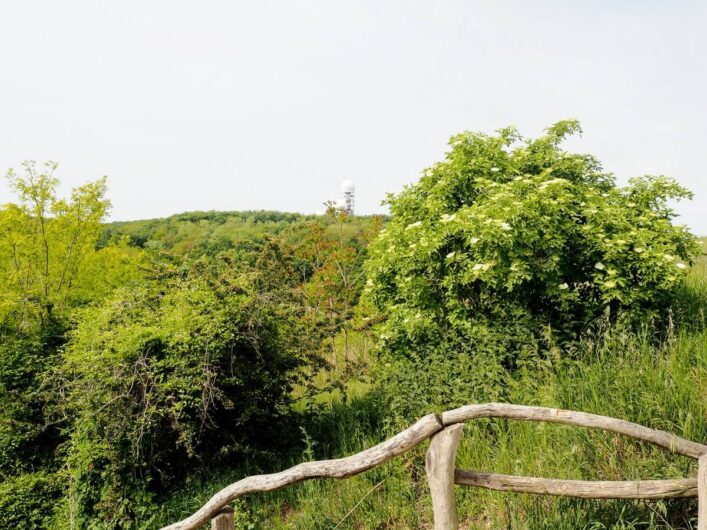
(224, 520)
(702, 488)
(339, 468)
(439, 465)
(580, 419)
(587, 489)
(431, 424)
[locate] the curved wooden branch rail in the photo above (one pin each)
(339, 468)
(432, 424)
(586, 489)
(580, 419)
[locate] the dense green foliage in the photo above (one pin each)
(145, 364)
(135, 353)
(48, 252)
(508, 247)
(195, 365)
(205, 232)
(24, 499)
(49, 264)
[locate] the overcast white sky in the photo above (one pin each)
(235, 105)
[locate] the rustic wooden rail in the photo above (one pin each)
(445, 431)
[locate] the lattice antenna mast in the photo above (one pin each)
(348, 190)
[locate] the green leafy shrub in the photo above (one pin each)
(26, 499)
(27, 442)
(509, 244)
(193, 368)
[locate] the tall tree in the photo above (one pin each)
(44, 241)
(336, 258)
(49, 265)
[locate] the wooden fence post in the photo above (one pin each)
(702, 493)
(439, 464)
(223, 520)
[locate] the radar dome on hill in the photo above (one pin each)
(347, 197)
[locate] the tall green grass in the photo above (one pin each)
(625, 375)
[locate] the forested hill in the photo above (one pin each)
(211, 232)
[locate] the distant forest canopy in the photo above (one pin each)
(212, 231)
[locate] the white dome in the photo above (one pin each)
(347, 186)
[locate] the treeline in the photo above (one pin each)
(212, 232)
(202, 232)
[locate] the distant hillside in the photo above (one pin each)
(212, 232)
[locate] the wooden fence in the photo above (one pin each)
(445, 431)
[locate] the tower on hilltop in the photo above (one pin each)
(347, 196)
